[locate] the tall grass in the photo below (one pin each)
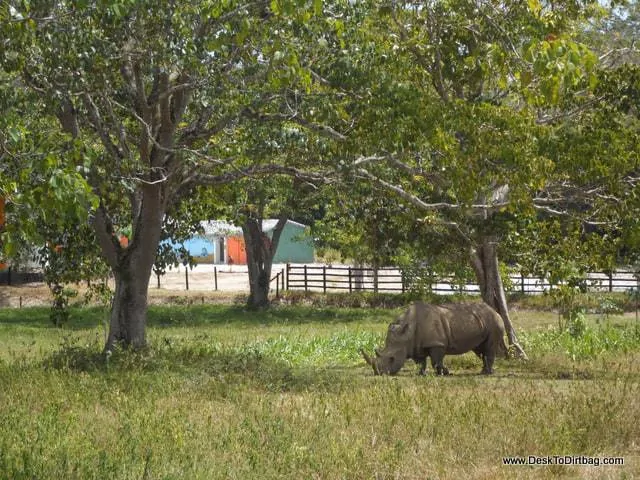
(224, 393)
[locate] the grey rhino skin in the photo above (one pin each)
(426, 330)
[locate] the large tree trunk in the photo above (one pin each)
(484, 259)
(129, 310)
(131, 266)
(260, 252)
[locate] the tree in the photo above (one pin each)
(614, 38)
(180, 224)
(44, 196)
(468, 95)
(247, 204)
(277, 198)
(148, 97)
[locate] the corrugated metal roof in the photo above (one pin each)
(220, 228)
(270, 224)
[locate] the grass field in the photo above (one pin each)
(225, 393)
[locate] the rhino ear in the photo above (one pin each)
(377, 352)
(399, 329)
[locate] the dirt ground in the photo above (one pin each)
(232, 286)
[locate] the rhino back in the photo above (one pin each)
(458, 328)
(431, 331)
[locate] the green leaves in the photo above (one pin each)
(562, 66)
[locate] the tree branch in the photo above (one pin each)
(324, 130)
(421, 204)
(100, 129)
(258, 170)
(107, 240)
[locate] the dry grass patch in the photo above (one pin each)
(225, 393)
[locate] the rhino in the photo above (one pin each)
(424, 330)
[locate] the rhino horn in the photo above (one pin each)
(367, 358)
(371, 362)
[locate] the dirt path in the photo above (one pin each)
(232, 285)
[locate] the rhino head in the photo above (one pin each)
(391, 359)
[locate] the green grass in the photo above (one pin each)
(225, 393)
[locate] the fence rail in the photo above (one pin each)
(11, 277)
(279, 278)
(329, 278)
(335, 278)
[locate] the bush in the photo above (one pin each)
(368, 299)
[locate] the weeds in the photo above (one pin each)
(223, 393)
(583, 342)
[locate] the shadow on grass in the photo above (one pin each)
(219, 370)
(205, 367)
(198, 315)
(38, 317)
(225, 314)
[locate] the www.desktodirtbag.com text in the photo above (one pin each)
(574, 460)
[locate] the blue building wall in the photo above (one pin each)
(201, 249)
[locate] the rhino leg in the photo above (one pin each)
(487, 369)
(423, 365)
(437, 357)
(487, 359)
(486, 351)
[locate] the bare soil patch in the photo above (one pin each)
(233, 287)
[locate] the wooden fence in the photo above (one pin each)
(320, 278)
(329, 278)
(11, 277)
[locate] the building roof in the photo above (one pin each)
(219, 228)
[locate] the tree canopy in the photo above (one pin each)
(469, 129)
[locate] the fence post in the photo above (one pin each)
(305, 278)
(610, 281)
(282, 274)
(215, 278)
(350, 289)
(278, 285)
(375, 279)
(9, 277)
(522, 283)
(324, 279)
(288, 273)
(186, 276)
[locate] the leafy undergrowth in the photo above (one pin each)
(224, 393)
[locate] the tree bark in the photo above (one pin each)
(484, 259)
(260, 252)
(358, 276)
(130, 302)
(131, 267)
(129, 311)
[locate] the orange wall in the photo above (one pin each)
(236, 250)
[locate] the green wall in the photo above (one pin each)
(295, 245)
